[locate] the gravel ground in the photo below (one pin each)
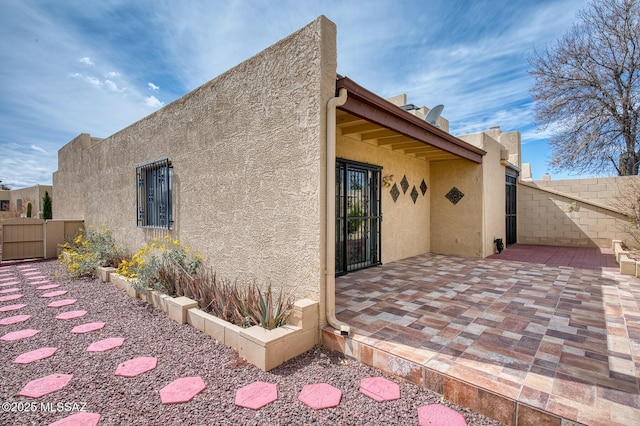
(181, 351)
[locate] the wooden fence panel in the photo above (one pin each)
(22, 238)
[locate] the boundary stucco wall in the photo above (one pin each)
(563, 219)
(248, 151)
(457, 229)
(405, 225)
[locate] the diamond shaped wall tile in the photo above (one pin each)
(82, 418)
(380, 389)
(10, 297)
(136, 366)
(454, 195)
(14, 319)
(182, 390)
(395, 192)
(63, 302)
(423, 187)
(21, 334)
(71, 315)
(437, 414)
(414, 194)
(105, 344)
(88, 327)
(12, 307)
(45, 385)
(34, 355)
(404, 183)
(54, 293)
(256, 395)
(320, 395)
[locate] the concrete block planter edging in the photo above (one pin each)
(628, 266)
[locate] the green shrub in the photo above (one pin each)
(91, 248)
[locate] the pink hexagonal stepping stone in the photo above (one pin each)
(320, 395)
(63, 302)
(36, 277)
(71, 315)
(7, 284)
(439, 415)
(9, 290)
(86, 328)
(48, 286)
(10, 297)
(39, 282)
(17, 335)
(79, 419)
(14, 319)
(45, 385)
(12, 307)
(136, 366)
(35, 355)
(182, 390)
(105, 344)
(256, 395)
(380, 389)
(54, 293)
(30, 272)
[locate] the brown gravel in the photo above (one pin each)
(181, 351)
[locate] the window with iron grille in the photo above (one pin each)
(154, 200)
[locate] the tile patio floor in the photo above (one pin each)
(536, 335)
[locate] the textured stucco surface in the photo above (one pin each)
(405, 225)
(247, 150)
(552, 219)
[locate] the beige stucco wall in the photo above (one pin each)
(405, 225)
(248, 151)
(564, 218)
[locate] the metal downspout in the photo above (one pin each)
(330, 249)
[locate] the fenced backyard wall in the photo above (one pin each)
(25, 238)
(573, 212)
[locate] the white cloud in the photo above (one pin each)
(153, 87)
(112, 86)
(37, 148)
(153, 102)
(87, 61)
(112, 74)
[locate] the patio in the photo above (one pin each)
(526, 343)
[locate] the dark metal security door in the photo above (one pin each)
(358, 216)
(512, 235)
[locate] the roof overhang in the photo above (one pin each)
(397, 128)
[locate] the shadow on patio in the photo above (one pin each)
(524, 343)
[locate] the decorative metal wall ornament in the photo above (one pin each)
(423, 187)
(395, 192)
(405, 184)
(414, 194)
(454, 195)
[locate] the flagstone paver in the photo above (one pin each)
(320, 395)
(63, 302)
(439, 415)
(21, 334)
(35, 355)
(10, 297)
(45, 385)
(105, 344)
(256, 395)
(54, 293)
(14, 319)
(79, 419)
(48, 286)
(88, 327)
(182, 390)
(136, 366)
(9, 290)
(71, 315)
(380, 389)
(12, 307)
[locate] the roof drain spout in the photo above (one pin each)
(330, 249)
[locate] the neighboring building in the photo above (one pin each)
(282, 171)
(14, 202)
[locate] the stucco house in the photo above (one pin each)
(280, 170)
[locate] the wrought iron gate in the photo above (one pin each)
(511, 218)
(358, 216)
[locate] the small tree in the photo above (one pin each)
(29, 210)
(46, 206)
(587, 90)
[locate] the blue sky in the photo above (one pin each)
(77, 66)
